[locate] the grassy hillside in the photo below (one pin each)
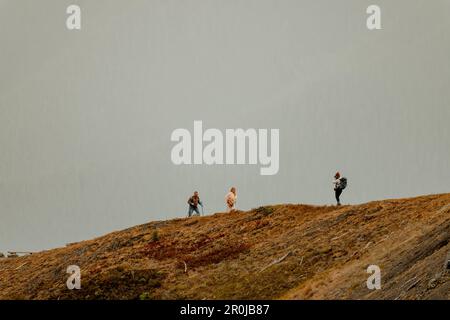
(274, 252)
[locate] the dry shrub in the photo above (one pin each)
(118, 283)
(254, 225)
(214, 255)
(161, 250)
(264, 211)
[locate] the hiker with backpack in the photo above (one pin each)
(339, 184)
(194, 202)
(230, 200)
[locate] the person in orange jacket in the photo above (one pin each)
(230, 199)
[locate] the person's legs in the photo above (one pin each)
(196, 210)
(337, 193)
(191, 209)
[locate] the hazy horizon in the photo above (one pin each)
(86, 116)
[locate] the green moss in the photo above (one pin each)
(155, 236)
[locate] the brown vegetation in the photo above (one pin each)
(274, 252)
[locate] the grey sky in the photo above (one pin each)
(86, 116)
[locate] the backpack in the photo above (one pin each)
(342, 183)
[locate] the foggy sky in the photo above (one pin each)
(86, 116)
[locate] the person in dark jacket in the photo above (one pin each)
(194, 202)
(337, 187)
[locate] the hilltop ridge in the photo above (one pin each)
(291, 251)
